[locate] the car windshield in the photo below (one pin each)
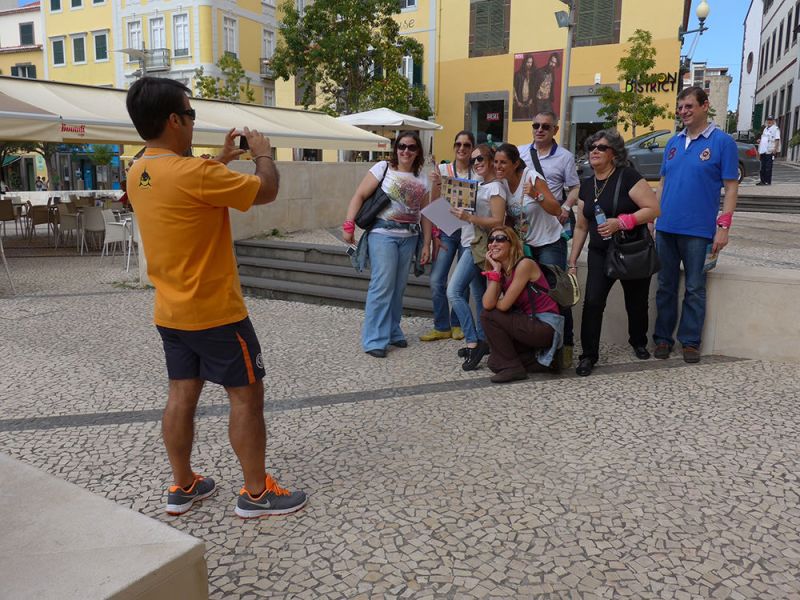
(639, 138)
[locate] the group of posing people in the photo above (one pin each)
(525, 196)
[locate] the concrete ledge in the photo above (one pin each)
(59, 541)
(751, 312)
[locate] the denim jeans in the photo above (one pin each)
(556, 254)
(467, 276)
(390, 260)
(691, 251)
(443, 317)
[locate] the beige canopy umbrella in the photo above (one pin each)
(37, 110)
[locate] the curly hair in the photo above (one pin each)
(419, 159)
(616, 142)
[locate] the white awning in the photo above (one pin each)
(387, 118)
(34, 110)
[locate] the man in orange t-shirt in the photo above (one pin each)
(181, 205)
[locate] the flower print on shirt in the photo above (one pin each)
(407, 195)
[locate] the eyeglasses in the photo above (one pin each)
(600, 147)
(463, 145)
(542, 126)
(498, 238)
(189, 112)
(477, 159)
(409, 147)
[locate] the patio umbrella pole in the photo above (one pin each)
(5, 264)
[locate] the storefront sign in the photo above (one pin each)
(665, 82)
(79, 130)
(493, 116)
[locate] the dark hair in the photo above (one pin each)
(150, 102)
(418, 160)
(486, 150)
(469, 134)
(616, 142)
(512, 152)
(557, 56)
(698, 93)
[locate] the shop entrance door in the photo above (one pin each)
(488, 120)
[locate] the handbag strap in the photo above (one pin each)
(535, 160)
(616, 195)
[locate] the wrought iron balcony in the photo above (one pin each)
(267, 72)
(157, 59)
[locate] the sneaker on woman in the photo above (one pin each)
(181, 499)
(274, 500)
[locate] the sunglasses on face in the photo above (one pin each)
(498, 238)
(542, 126)
(600, 147)
(410, 147)
(463, 145)
(477, 159)
(189, 112)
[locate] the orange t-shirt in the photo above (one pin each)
(181, 206)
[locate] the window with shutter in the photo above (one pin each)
(26, 34)
(489, 27)
(55, 5)
(597, 22)
(58, 52)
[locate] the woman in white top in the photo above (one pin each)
(392, 241)
(490, 211)
(447, 247)
(532, 208)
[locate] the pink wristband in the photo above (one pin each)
(725, 220)
(627, 221)
(349, 227)
(491, 275)
(435, 231)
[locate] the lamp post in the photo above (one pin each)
(702, 14)
(565, 21)
(141, 56)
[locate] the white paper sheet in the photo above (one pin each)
(438, 212)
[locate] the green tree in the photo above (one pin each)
(228, 87)
(46, 150)
(633, 106)
(351, 53)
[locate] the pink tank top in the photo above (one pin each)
(542, 301)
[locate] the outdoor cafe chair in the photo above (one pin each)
(93, 223)
(7, 213)
(68, 223)
(37, 215)
(116, 232)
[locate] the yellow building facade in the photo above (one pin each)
(486, 61)
(113, 42)
(21, 42)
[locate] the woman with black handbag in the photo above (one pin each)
(392, 238)
(618, 195)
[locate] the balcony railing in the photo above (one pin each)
(267, 72)
(157, 59)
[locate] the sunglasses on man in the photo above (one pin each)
(189, 112)
(542, 126)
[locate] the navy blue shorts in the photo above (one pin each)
(229, 355)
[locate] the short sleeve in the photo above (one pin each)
(730, 158)
(663, 171)
(220, 186)
(378, 169)
(571, 178)
(630, 177)
(531, 175)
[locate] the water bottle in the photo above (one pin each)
(600, 217)
(566, 230)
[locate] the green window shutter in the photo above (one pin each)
(417, 77)
(100, 48)
(15, 71)
(32, 72)
(78, 50)
(58, 52)
(595, 22)
(26, 34)
(55, 5)
(488, 27)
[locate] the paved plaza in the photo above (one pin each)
(649, 479)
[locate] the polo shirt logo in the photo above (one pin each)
(671, 154)
(144, 179)
(705, 154)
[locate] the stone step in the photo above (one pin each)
(767, 204)
(279, 289)
(333, 276)
(294, 251)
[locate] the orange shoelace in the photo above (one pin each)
(271, 487)
(175, 488)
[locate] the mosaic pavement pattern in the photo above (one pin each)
(649, 479)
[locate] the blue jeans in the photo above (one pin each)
(443, 317)
(556, 254)
(467, 276)
(691, 251)
(390, 260)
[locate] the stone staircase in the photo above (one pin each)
(314, 273)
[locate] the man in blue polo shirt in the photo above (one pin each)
(698, 162)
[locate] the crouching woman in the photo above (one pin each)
(521, 321)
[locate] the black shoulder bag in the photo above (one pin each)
(373, 206)
(631, 254)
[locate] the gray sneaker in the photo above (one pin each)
(180, 500)
(273, 501)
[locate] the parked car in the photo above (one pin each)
(647, 151)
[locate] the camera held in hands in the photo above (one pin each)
(243, 145)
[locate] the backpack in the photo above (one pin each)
(564, 288)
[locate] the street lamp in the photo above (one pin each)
(565, 21)
(141, 56)
(702, 14)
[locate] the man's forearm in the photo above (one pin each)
(267, 171)
(731, 196)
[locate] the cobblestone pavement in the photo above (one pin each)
(649, 479)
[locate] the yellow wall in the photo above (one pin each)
(33, 57)
(69, 21)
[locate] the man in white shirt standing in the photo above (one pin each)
(768, 148)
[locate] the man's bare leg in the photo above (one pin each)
(248, 433)
(177, 427)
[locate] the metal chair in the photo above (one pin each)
(7, 213)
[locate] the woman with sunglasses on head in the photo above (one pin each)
(447, 247)
(636, 206)
(532, 208)
(490, 210)
(392, 241)
(522, 322)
